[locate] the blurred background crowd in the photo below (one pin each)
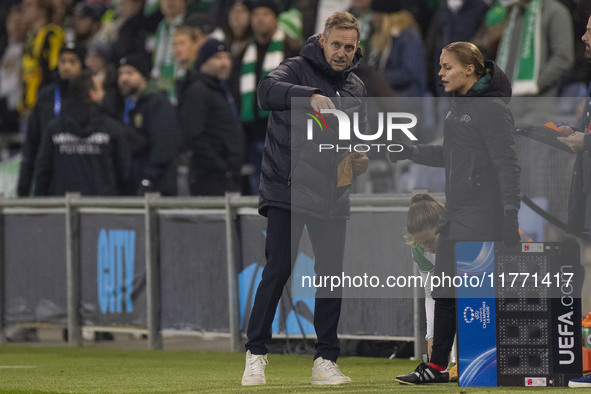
(177, 79)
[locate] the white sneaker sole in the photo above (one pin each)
(247, 383)
(579, 385)
(329, 383)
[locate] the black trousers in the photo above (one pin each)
(445, 315)
(284, 231)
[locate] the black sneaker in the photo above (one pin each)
(424, 374)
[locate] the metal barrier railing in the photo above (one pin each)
(151, 205)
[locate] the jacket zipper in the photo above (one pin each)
(331, 191)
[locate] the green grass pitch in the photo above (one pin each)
(25, 369)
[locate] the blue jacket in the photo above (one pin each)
(405, 68)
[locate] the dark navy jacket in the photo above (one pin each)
(295, 175)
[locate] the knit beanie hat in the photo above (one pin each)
(137, 61)
(75, 48)
(207, 50)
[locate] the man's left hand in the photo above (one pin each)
(575, 141)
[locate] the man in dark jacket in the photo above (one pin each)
(211, 124)
(304, 191)
(267, 48)
(83, 149)
(48, 106)
(153, 165)
(579, 202)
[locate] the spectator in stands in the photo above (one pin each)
(97, 61)
(164, 66)
(83, 150)
(268, 47)
(361, 9)
(61, 12)
(210, 123)
(238, 31)
(203, 26)
(41, 50)
(86, 23)
(579, 141)
(49, 105)
(489, 35)
(537, 72)
(397, 49)
(153, 166)
(131, 36)
(579, 202)
(184, 49)
(306, 193)
(454, 20)
(10, 71)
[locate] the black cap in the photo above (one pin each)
(272, 5)
(76, 48)
(208, 49)
(386, 6)
(138, 61)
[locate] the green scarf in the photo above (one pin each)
(418, 255)
(248, 78)
(526, 48)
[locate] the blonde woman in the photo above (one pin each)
(397, 49)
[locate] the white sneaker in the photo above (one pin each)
(327, 372)
(254, 372)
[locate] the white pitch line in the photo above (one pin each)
(17, 366)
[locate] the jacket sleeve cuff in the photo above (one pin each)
(509, 207)
(587, 140)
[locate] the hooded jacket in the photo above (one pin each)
(49, 104)
(480, 160)
(82, 150)
(211, 130)
(295, 175)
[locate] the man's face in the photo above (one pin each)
(83, 27)
(218, 66)
(68, 66)
(263, 21)
(130, 81)
(339, 47)
(97, 93)
(587, 40)
(31, 11)
(94, 63)
(184, 49)
(15, 27)
(172, 8)
(128, 8)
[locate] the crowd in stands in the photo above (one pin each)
(112, 95)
